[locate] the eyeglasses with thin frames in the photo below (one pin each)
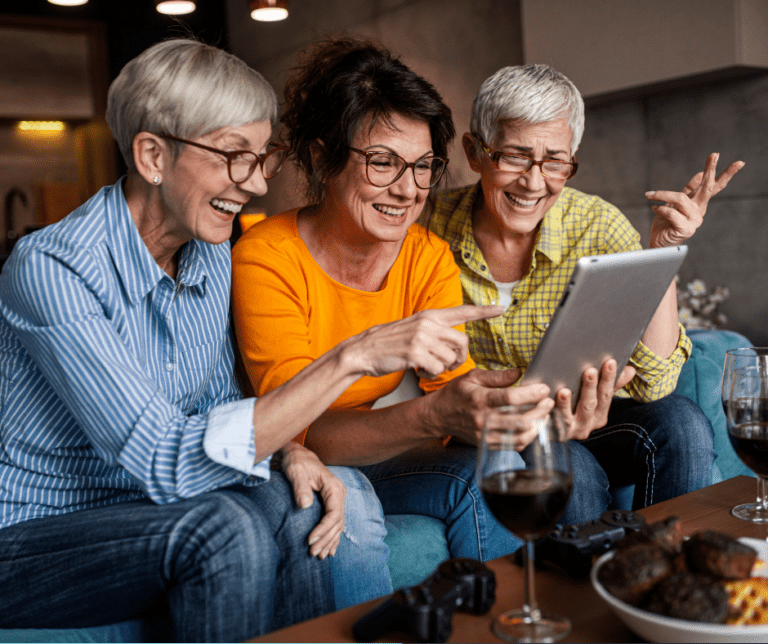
(382, 169)
(241, 164)
(520, 163)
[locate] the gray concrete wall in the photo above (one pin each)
(660, 141)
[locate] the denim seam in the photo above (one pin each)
(454, 476)
(650, 463)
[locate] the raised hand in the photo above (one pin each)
(683, 212)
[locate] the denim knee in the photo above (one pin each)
(359, 567)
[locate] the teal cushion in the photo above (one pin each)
(417, 546)
(700, 381)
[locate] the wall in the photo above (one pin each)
(456, 44)
(659, 141)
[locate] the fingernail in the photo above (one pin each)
(313, 541)
(650, 193)
(304, 502)
(314, 552)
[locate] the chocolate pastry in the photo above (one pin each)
(718, 555)
(632, 572)
(688, 596)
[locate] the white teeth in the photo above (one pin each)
(227, 206)
(388, 210)
(521, 202)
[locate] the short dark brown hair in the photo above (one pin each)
(338, 85)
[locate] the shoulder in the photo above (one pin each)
(271, 234)
(590, 216)
(450, 210)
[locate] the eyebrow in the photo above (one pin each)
(386, 147)
(549, 152)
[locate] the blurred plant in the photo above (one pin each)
(698, 308)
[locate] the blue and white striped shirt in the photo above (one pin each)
(116, 382)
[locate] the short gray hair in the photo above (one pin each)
(186, 89)
(530, 94)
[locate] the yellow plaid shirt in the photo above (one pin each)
(577, 225)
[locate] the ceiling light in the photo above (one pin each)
(175, 7)
(268, 10)
(41, 126)
(68, 3)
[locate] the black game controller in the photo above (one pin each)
(574, 547)
(425, 611)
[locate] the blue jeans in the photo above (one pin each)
(441, 482)
(227, 565)
(666, 448)
(359, 567)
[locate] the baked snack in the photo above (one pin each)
(690, 596)
(748, 601)
(632, 572)
(718, 555)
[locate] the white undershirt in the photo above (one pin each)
(505, 292)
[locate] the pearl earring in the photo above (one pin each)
(156, 180)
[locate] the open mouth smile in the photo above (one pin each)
(226, 207)
(390, 211)
(522, 203)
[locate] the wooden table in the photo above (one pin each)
(592, 620)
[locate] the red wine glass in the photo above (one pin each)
(527, 496)
(743, 433)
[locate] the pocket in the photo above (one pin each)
(197, 364)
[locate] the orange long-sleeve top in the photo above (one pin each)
(288, 312)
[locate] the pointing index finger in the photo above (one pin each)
(468, 313)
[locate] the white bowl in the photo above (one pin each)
(657, 628)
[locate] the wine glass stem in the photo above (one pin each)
(530, 607)
(762, 493)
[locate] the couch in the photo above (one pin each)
(417, 543)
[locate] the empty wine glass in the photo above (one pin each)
(745, 399)
(527, 496)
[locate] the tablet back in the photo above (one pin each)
(604, 310)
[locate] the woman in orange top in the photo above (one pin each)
(372, 137)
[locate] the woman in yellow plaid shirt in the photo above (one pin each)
(516, 236)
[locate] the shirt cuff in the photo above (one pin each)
(229, 438)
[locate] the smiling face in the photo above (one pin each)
(518, 202)
(199, 200)
(365, 212)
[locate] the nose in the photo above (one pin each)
(405, 186)
(533, 179)
(256, 184)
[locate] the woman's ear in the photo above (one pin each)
(150, 155)
(470, 149)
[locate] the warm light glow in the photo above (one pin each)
(269, 10)
(175, 7)
(269, 14)
(41, 126)
(68, 3)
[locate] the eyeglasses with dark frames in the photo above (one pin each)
(520, 163)
(241, 164)
(384, 168)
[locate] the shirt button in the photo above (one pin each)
(467, 255)
(169, 366)
(482, 268)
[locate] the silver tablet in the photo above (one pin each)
(603, 312)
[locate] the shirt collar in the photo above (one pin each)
(137, 269)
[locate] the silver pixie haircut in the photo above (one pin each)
(530, 94)
(186, 89)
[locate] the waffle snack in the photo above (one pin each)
(748, 601)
